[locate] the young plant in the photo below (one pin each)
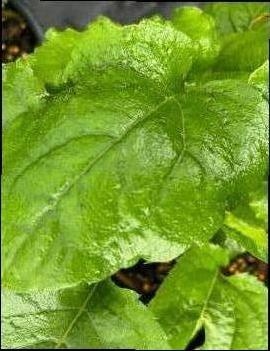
(129, 142)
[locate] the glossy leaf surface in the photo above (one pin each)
(232, 310)
(247, 224)
(118, 159)
(102, 316)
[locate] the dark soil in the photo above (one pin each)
(145, 278)
(17, 37)
(248, 263)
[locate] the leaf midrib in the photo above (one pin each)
(249, 306)
(75, 319)
(205, 304)
(98, 158)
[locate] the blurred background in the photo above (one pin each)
(25, 21)
(79, 13)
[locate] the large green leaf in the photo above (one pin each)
(100, 316)
(232, 310)
(119, 158)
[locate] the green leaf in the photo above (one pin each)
(243, 51)
(26, 80)
(249, 315)
(227, 242)
(236, 17)
(247, 224)
(22, 90)
(260, 79)
(66, 58)
(209, 75)
(117, 160)
(50, 59)
(244, 31)
(232, 310)
(100, 316)
(200, 27)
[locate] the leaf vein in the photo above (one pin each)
(99, 157)
(55, 148)
(75, 319)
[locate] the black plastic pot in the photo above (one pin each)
(42, 15)
(21, 7)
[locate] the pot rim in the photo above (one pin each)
(23, 9)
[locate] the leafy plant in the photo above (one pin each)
(128, 142)
(100, 316)
(247, 224)
(233, 310)
(241, 27)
